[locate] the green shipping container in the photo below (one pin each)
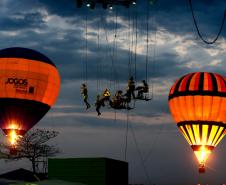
(89, 171)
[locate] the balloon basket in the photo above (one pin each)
(202, 169)
(13, 151)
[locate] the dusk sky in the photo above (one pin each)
(57, 29)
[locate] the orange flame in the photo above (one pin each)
(202, 155)
(13, 137)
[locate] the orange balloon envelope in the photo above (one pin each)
(197, 102)
(29, 83)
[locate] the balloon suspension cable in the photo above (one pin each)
(197, 28)
(201, 178)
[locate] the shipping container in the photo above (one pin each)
(89, 171)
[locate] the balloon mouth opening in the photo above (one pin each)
(202, 154)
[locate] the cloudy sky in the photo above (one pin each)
(57, 29)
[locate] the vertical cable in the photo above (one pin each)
(98, 59)
(114, 57)
(135, 54)
(147, 49)
(129, 56)
(126, 135)
(86, 52)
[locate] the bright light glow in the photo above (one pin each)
(13, 126)
(88, 4)
(134, 3)
(13, 137)
(202, 154)
(110, 7)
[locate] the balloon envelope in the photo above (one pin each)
(197, 102)
(29, 83)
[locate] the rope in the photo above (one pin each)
(197, 28)
(140, 155)
(98, 59)
(115, 76)
(154, 60)
(129, 47)
(111, 56)
(154, 54)
(114, 57)
(132, 44)
(147, 47)
(154, 141)
(135, 53)
(86, 52)
(126, 136)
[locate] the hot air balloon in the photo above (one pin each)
(29, 83)
(197, 103)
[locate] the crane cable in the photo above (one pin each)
(197, 28)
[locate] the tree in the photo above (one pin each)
(33, 147)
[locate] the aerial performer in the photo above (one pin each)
(29, 83)
(106, 96)
(197, 103)
(130, 89)
(117, 101)
(84, 92)
(142, 89)
(99, 102)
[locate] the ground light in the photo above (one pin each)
(88, 5)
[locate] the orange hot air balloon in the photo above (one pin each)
(197, 102)
(29, 83)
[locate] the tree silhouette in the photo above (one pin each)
(33, 147)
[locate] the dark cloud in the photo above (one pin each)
(58, 30)
(21, 21)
